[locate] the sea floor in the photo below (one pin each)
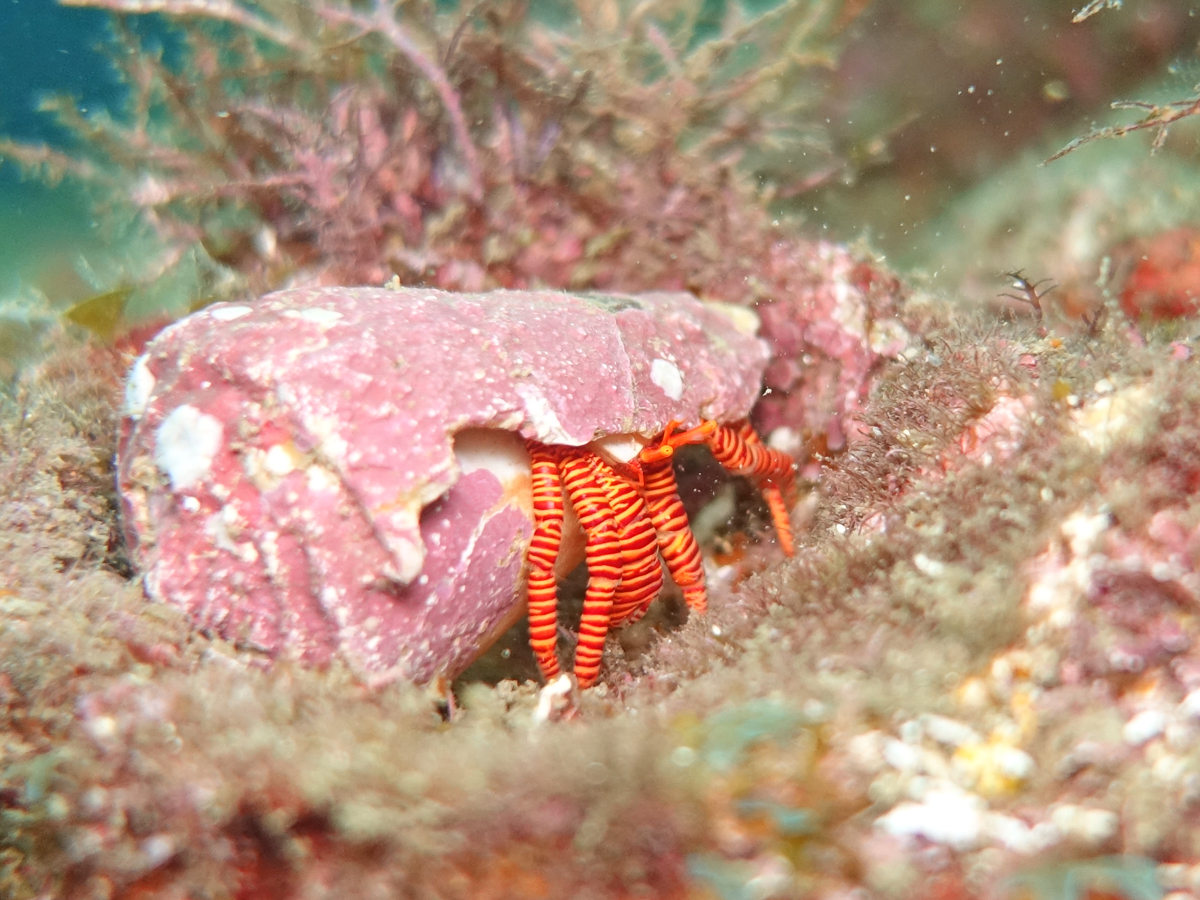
(978, 678)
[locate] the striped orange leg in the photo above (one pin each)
(602, 552)
(676, 543)
(543, 551)
(778, 508)
(741, 451)
(641, 572)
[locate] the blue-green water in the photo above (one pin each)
(45, 49)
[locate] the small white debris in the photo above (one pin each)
(1014, 762)
(1190, 705)
(101, 728)
(1113, 417)
(185, 445)
(1059, 585)
(949, 731)
(787, 439)
(1083, 530)
(229, 313)
(901, 756)
(1145, 726)
(1170, 768)
(928, 566)
(266, 242)
(974, 694)
(667, 376)
(555, 700)
(157, 850)
(865, 751)
(1016, 834)
(138, 388)
(945, 816)
(1090, 826)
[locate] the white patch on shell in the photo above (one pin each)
(547, 427)
(278, 461)
(138, 388)
(269, 542)
(667, 376)
(218, 526)
(407, 554)
(267, 467)
(316, 315)
(229, 313)
(185, 444)
(319, 478)
(331, 445)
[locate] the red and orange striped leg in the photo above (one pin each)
(641, 572)
(543, 551)
(781, 517)
(602, 552)
(741, 451)
(676, 543)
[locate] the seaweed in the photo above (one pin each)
(592, 144)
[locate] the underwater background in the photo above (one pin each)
(47, 49)
(925, 101)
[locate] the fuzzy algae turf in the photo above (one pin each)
(796, 740)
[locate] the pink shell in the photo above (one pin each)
(288, 473)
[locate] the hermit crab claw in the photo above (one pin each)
(671, 439)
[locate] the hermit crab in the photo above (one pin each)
(375, 475)
(631, 515)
